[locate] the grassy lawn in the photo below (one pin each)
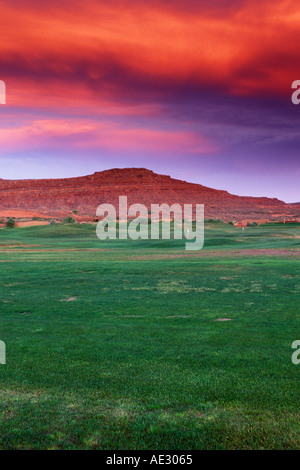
(115, 344)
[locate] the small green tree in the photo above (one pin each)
(10, 223)
(68, 220)
(251, 224)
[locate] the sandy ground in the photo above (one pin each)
(220, 253)
(31, 223)
(20, 214)
(162, 256)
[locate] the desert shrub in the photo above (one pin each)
(251, 224)
(69, 220)
(213, 221)
(10, 223)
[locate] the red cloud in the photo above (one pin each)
(106, 51)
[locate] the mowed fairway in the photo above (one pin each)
(115, 345)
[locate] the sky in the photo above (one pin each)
(198, 90)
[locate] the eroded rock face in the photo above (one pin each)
(59, 197)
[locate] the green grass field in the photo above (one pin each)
(136, 358)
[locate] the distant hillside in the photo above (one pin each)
(59, 197)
